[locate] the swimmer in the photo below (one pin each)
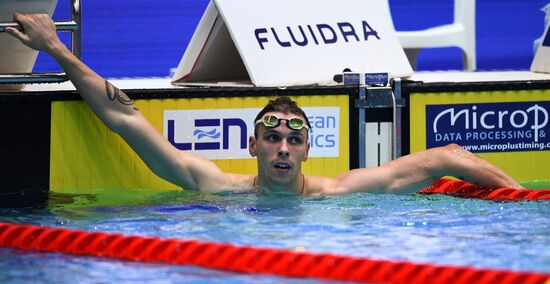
(280, 141)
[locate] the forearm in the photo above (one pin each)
(39, 32)
(413, 172)
(108, 102)
(117, 111)
(455, 161)
(418, 170)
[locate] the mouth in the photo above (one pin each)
(282, 167)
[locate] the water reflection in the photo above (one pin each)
(420, 228)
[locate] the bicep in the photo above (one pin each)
(404, 175)
(372, 180)
(182, 168)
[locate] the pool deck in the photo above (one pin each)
(424, 77)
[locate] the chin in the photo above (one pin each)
(282, 179)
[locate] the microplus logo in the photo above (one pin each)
(223, 133)
(315, 34)
(488, 124)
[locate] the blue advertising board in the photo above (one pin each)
(489, 127)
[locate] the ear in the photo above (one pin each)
(307, 151)
(252, 146)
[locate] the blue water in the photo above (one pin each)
(419, 228)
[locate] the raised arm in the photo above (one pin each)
(410, 173)
(118, 112)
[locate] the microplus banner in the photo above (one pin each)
(490, 127)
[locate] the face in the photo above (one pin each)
(280, 150)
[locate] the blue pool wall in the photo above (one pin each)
(142, 38)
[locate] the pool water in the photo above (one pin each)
(434, 229)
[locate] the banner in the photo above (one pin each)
(223, 133)
(87, 155)
(489, 127)
(286, 42)
(509, 128)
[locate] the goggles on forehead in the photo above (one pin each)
(272, 121)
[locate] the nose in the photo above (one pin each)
(283, 150)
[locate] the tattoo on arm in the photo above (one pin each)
(114, 93)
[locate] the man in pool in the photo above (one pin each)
(280, 141)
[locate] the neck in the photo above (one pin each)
(297, 186)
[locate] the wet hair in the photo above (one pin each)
(284, 105)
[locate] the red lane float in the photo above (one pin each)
(248, 259)
(467, 190)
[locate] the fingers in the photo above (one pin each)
(17, 34)
(21, 19)
(18, 18)
(29, 20)
(37, 31)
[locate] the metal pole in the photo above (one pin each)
(76, 35)
(397, 122)
(361, 125)
(60, 26)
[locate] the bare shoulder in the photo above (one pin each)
(239, 182)
(318, 185)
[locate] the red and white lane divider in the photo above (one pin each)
(467, 190)
(249, 259)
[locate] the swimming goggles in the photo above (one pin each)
(272, 121)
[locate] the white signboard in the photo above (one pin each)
(287, 42)
(15, 57)
(541, 62)
(223, 133)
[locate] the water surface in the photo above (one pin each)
(435, 229)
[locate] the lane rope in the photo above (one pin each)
(464, 189)
(244, 259)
